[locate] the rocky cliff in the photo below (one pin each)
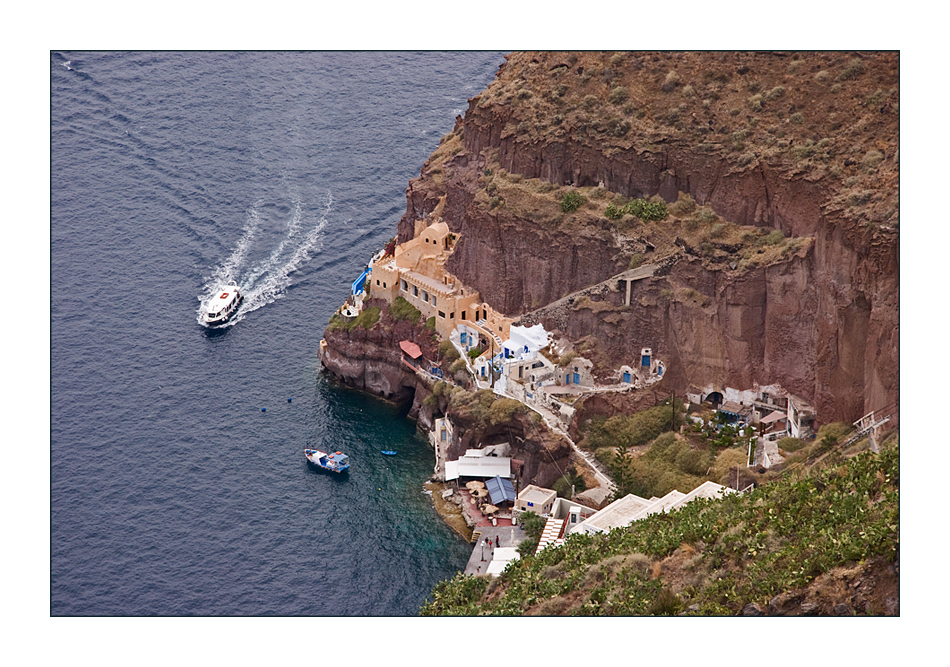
(805, 145)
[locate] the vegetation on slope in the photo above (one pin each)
(813, 115)
(711, 557)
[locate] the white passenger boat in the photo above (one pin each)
(220, 307)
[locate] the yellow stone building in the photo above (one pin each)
(416, 272)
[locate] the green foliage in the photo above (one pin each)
(774, 237)
(628, 431)
(671, 81)
(570, 482)
(366, 319)
(461, 594)
(618, 95)
(684, 205)
(854, 69)
(666, 603)
(647, 210)
(400, 309)
(636, 260)
(571, 201)
(475, 353)
(430, 324)
(503, 411)
(533, 525)
(746, 548)
(447, 351)
(613, 212)
(791, 444)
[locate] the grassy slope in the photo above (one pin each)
(713, 557)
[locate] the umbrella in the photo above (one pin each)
(471, 486)
(489, 509)
(481, 493)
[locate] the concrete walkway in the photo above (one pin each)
(507, 536)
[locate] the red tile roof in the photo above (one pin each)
(411, 349)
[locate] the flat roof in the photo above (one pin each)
(618, 513)
(536, 494)
(480, 466)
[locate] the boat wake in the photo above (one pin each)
(266, 279)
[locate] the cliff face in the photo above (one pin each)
(808, 149)
(371, 360)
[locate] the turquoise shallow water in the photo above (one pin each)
(178, 484)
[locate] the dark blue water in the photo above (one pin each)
(172, 492)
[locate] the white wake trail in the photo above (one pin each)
(268, 280)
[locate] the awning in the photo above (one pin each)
(501, 490)
(773, 417)
(732, 408)
(410, 349)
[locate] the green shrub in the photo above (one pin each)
(430, 324)
(791, 444)
(618, 95)
(400, 309)
(475, 353)
(613, 212)
(684, 205)
(503, 410)
(571, 201)
(872, 158)
(447, 351)
(671, 81)
(458, 365)
(774, 237)
(854, 69)
(636, 260)
(705, 216)
(647, 210)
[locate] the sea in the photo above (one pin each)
(178, 484)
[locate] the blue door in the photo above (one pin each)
(626, 376)
(577, 378)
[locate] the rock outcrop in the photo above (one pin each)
(822, 321)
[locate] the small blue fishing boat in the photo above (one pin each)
(334, 462)
(388, 452)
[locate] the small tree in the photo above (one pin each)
(533, 525)
(621, 467)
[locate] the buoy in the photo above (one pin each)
(263, 409)
(288, 400)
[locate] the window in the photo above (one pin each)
(441, 314)
(403, 285)
(451, 316)
(384, 284)
(415, 291)
(434, 302)
(463, 314)
(425, 296)
(377, 282)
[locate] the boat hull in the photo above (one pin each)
(336, 462)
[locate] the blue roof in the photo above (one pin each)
(500, 490)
